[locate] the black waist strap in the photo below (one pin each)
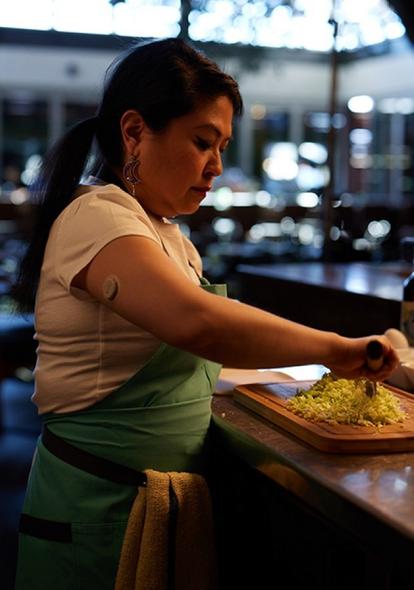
(91, 463)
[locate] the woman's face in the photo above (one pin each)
(179, 164)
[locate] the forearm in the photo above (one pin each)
(238, 335)
(245, 337)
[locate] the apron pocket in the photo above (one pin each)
(97, 549)
(61, 556)
(45, 563)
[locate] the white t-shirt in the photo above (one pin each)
(86, 350)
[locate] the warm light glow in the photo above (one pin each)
(138, 18)
(361, 136)
(280, 170)
(309, 178)
(308, 200)
(224, 226)
(258, 111)
(80, 16)
(404, 106)
(281, 164)
(260, 231)
(361, 161)
(19, 196)
(26, 14)
(306, 234)
(295, 24)
(263, 199)
(378, 229)
(223, 198)
(361, 104)
(314, 152)
(147, 18)
(287, 225)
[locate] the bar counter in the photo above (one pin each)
(354, 299)
(347, 519)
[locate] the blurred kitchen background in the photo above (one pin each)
(322, 163)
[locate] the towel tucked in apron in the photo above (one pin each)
(75, 512)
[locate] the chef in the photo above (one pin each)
(131, 337)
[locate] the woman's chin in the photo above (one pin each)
(188, 209)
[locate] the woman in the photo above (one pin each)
(130, 346)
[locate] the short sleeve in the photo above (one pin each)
(91, 222)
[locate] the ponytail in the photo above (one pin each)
(53, 190)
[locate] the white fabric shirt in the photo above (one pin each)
(85, 351)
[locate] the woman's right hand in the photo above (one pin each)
(352, 359)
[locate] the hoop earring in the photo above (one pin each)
(131, 173)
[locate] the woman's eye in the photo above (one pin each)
(202, 143)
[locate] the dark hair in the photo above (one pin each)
(162, 80)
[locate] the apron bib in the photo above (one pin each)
(158, 419)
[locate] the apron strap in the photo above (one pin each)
(92, 464)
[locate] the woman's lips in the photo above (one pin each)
(201, 189)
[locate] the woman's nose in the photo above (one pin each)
(215, 166)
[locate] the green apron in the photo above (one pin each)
(158, 419)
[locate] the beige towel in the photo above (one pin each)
(144, 556)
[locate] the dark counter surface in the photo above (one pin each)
(382, 280)
(369, 494)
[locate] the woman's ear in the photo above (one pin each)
(132, 125)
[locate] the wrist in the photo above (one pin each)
(338, 350)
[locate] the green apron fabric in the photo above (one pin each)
(158, 419)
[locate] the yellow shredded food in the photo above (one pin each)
(344, 401)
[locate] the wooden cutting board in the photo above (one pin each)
(269, 400)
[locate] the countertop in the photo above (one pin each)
(353, 299)
(370, 494)
(381, 280)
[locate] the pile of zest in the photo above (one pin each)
(344, 401)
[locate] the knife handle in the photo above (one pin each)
(375, 355)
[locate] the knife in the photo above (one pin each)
(375, 359)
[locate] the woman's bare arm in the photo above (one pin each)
(153, 294)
